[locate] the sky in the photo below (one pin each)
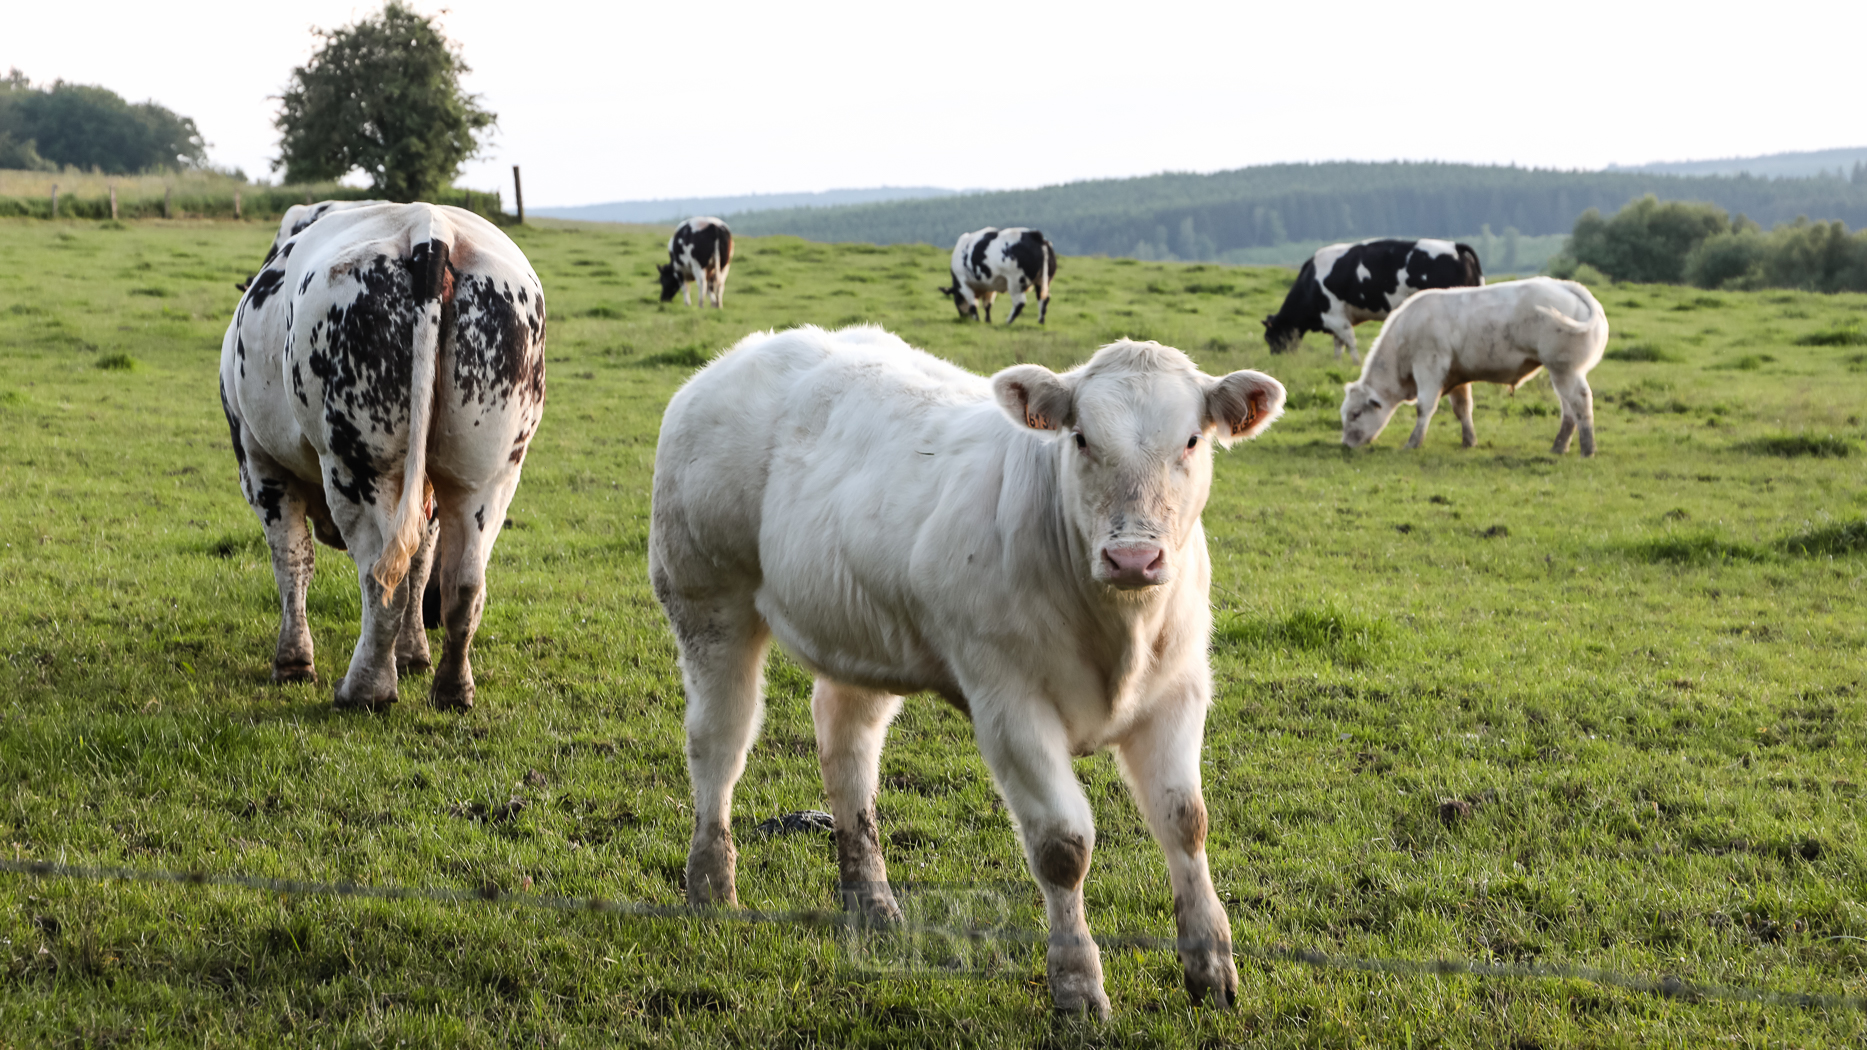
(601, 102)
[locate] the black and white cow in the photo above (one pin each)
(701, 251)
(989, 261)
(299, 216)
(387, 359)
(1345, 284)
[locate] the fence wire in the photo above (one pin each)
(1667, 986)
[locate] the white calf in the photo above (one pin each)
(1028, 547)
(1442, 340)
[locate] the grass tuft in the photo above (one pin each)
(1695, 548)
(1834, 541)
(118, 362)
(1792, 446)
(1851, 335)
(1641, 352)
(1343, 637)
(685, 357)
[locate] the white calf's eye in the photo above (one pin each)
(1194, 440)
(1082, 442)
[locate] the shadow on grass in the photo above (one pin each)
(1705, 548)
(1791, 446)
(1342, 637)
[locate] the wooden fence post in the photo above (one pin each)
(113, 202)
(237, 217)
(168, 202)
(518, 194)
(55, 200)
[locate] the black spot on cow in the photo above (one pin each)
(493, 344)
(298, 382)
(975, 260)
(358, 458)
(270, 499)
(233, 427)
(306, 283)
(479, 519)
(264, 287)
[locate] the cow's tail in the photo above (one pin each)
(1046, 269)
(430, 247)
(1474, 275)
(1591, 313)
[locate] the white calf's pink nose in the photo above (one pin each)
(1134, 566)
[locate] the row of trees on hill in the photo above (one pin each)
(1698, 243)
(1203, 216)
(382, 96)
(84, 126)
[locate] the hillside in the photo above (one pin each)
(1771, 166)
(674, 209)
(1203, 217)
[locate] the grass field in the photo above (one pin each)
(1479, 704)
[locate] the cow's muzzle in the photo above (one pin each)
(1131, 567)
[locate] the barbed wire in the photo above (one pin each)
(1667, 986)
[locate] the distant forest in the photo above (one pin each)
(1181, 216)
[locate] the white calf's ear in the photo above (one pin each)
(1034, 396)
(1242, 404)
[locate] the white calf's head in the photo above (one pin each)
(1136, 425)
(1365, 412)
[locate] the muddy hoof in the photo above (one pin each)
(376, 704)
(452, 697)
(291, 674)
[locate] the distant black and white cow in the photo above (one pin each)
(989, 261)
(1345, 284)
(385, 357)
(701, 251)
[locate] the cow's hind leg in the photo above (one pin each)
(279, 500)
(370, 680)
(411, 645)
(851, 724)
(722, 641)
(1160, 760)
(470, 522)
(1462, 408)
(1578, 411)
(1029, 755)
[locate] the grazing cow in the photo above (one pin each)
(299, 216)
(1365, 282)
(1026, 546)
(989, 261)
(386, 356)
(701, 250)
(1445, 339)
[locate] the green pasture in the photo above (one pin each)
(1480, 704)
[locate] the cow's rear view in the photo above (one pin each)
(383, 377)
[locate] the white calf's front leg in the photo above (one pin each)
(851, 725)
(1160, 759)
(722, 642)
(1429, 385)
(1029, 755)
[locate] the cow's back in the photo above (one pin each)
(802, 404)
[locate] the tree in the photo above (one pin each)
(91, 127)
(382, 96)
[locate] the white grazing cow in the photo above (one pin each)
(1027, 546)
(382, 354)
(1442, 340)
